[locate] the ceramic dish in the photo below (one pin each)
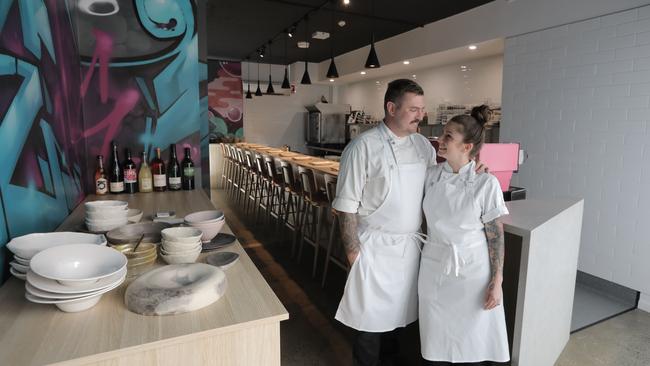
(71, 305)
(104, 227)
(53, 286)
(142, 261)
(77, 264)
(131, 233)
(178, 259)
(209, 230)
(21, 260)
(182, 234)
(19, 267)
(105, 205)
(175, 289)
(177, 251)
(204, 217)
(223, 260)
(35, 291)
(27, 246)
(17, 274)
(134, 215)
(106, 215)
(144, 249)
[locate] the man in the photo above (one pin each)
(379, 199)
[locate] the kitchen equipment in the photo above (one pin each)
(326, 123)
(357, 129)
(502, 160)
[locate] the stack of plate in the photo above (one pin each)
(181, 245)
(27, 246)
(209, 222)
(140, 260)
(75, 276)
(102, 216)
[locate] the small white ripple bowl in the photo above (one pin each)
(204, 217)
(77, 264)
(27, 246)
(105, 205)
(180, 259)
(182, 234)
(107, 215)
(179, 251)
(105, 225)
(181, 245)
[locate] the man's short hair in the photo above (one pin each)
(397, 88)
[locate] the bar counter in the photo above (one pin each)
(241, 328)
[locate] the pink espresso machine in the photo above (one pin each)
(502, 159)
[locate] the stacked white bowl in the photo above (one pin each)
(27, 246)
(181, 245)
(209, 222)
(74, 277)
(102, 216)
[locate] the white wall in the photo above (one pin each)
(276, 120)
(445, 84)
(577, 97)
(497, 19)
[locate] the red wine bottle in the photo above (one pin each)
(130, 174)
(116, 176)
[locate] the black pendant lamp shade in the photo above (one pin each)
(248, 93)
(372, 62)
(306, 80)
(258, 92)
(285, 82)
(332, 73)
(269, 89)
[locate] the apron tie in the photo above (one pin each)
(420, 239)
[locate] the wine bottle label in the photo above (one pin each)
(175, 182)
(146, 185)
(117, 186)
(101, 186)
(188, 172)
(159, 180)
(130, 176)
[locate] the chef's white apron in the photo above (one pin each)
(453, 280)
(381, 290)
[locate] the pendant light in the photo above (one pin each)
(248, 93)
(258, 92)
(269, 89)
(306, 80)
(332, 72)
(285, 82)
(372, 62)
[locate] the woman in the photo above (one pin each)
(461, 270)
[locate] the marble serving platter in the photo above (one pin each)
(175, 289)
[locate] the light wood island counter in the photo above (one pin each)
(241, 328)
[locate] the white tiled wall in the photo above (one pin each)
(578, 99)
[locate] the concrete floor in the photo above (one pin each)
(312, 337)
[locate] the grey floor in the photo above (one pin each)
(312, 337)
(591, 306)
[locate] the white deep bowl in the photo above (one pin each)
(179, 259)
(77, 264)
(107, 214)
(27, 246)
(182, 234)
(204, 216)
(210, 230)
(68, 306)
(106, 205)
(180, 244)
(103, 226)
(178, 251)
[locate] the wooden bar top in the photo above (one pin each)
(36, 334)
(313, 162)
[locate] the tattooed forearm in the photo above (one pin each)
(496, 248)
(348, 224)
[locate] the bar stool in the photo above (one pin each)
(225, 165)
(244, 176)
(253, 183)
(335, 250)
(235, 172)
(315, 203)
(292, 204)
(262, 190)
(275, 194)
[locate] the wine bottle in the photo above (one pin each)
(116, 174)
(173, 170)
(130, 174)
(159, 175)
(101, 183)
(145, 180)
(188, 171)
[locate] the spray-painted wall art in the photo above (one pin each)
(141, 77)
(41, 155)
(225, 100)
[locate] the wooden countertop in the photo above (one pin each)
(35, 334)
(313, 162)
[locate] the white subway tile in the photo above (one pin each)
(596, 100)
(633, 52)
(585, 25)
(598, 57)
(642, 38)
(640, 89)
(632, 77)
(619, 18)
(618, 42)
(594, 81)
(631, 101)
(643, 12)
(638, 114)
(639, 26)
(610, 114)
(584, 70)
(614, 66)
(613, 90)
(641, 64)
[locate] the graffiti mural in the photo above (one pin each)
(225, 100)
(141, 77)
(40, 118)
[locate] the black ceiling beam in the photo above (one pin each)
(353, 13)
